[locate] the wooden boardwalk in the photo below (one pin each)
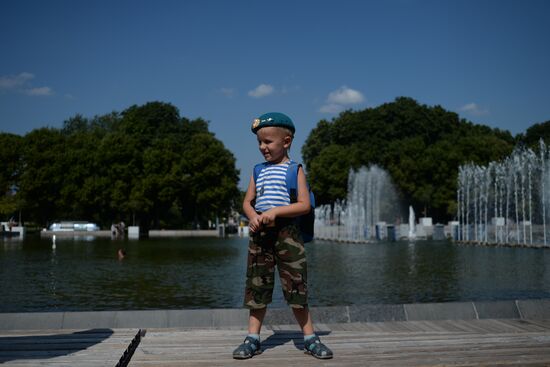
(76, 348)
(510, 342)
(410, 343)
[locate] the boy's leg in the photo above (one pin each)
(251, 345)
(291, 262)
(312, 343)
(303, 316)
(258, 292)
(255, 320)
(290, 256)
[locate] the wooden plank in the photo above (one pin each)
(79, 348)
(523, 325)
(418, 343)
(450, 342)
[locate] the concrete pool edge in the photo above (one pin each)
(531, 309)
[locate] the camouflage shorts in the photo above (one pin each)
(283, 248)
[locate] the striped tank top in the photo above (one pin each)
(271, 190)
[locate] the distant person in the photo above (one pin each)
(117, 230)
(121, 254)
(275, 240)
(11, 223)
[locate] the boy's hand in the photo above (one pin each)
(268, 218)
(254, 224)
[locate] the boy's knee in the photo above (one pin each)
(255, 306)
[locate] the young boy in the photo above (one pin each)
(275, 239)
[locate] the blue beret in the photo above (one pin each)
(273, 119)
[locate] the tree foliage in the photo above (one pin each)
(10, 146)
(146, 164)
(534, 133)
(420, 146)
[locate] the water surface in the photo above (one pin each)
(209, 273)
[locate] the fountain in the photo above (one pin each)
(412, 231)
(372, 202)
(505, 202)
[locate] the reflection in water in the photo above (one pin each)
(209, 273)
(52, 272)
(385, 273)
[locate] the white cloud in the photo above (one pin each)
(345, 96)
(340, 98)
(21, 83)
(42, 91)
(474, 109)
(261, 90)
(14, 81)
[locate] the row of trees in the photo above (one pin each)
(145, 165)
(420, 146)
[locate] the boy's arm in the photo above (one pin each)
(300, 207)
(249, 211)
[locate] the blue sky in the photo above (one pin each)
(230, 61)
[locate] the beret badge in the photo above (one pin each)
(255, 123)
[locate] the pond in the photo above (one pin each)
(85, 275)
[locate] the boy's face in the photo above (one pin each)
(273, 143)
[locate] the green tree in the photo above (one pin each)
(534, 133)
(43, 174)
(328, 174)
(145, 165)
(210, 182)
(10, 156)
(420, 146)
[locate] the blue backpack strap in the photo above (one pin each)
(292, 183)
(255, 174)
(292, 180)
(305, 222)
(257, 170)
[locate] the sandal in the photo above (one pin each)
(248, 349)
(317, 349)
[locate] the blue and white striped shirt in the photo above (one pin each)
(271, 190)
